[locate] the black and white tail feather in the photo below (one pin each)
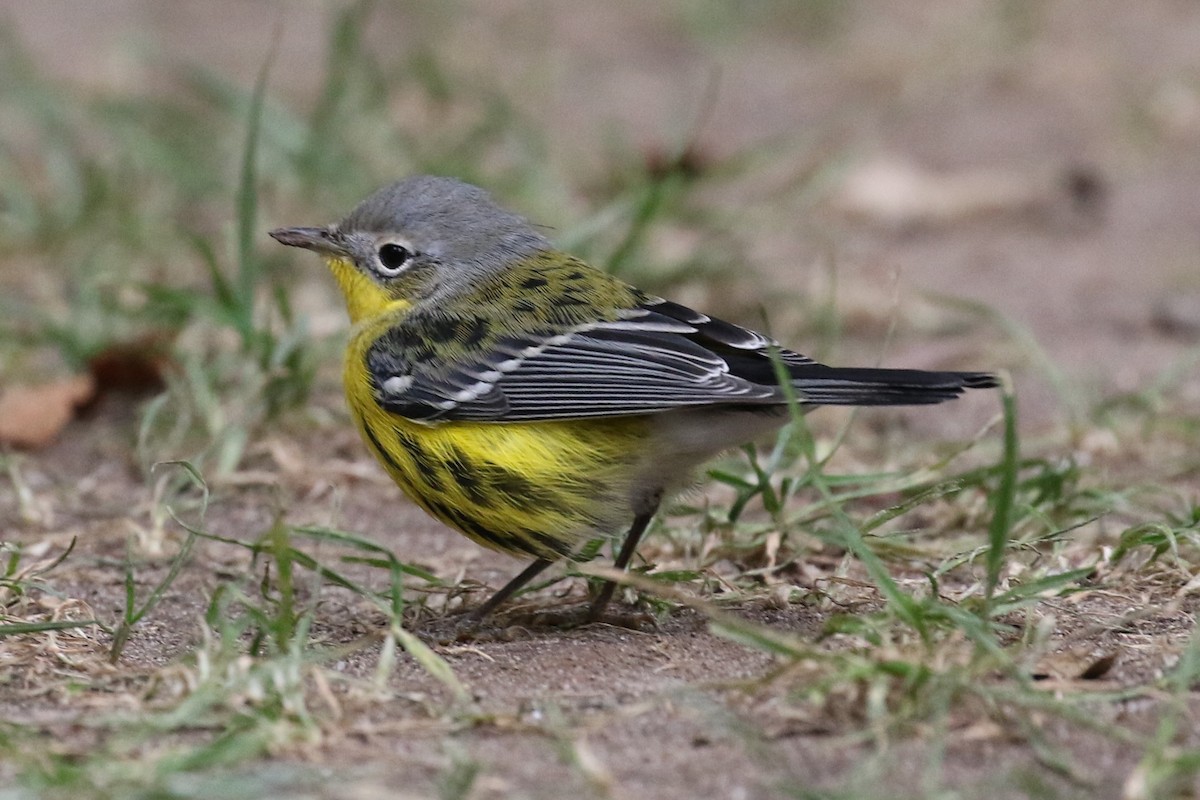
(657, 357)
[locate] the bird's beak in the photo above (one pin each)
(319, 240)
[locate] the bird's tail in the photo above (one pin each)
(863, 386)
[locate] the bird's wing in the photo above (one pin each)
(655, 357)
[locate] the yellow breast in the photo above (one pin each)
(536, 488)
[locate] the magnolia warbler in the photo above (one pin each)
(532, 402)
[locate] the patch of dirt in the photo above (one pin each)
(671, 711)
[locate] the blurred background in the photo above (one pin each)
(942, 183)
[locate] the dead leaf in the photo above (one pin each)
(33, 416)
(1099, 667)
(1075, 665)
(1177, 315)
(135, 367)
(897, 193)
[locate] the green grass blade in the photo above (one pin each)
(431, 662)
(248, 264)
(905, 606)
(1002, 500)
(17, 628)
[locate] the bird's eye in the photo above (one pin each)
(393, 257)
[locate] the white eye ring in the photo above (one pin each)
(394, 258)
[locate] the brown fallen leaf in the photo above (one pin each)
(897, 193)
(33, 416)
(1074, 665)
(136, 367)
(1177, 315)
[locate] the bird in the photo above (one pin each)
(533, 402)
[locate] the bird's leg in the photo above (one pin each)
(628, 548)
(507, 591)
(623, 558)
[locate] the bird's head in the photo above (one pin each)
(417, 239)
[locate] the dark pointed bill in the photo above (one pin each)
(321, 240)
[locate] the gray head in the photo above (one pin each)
(422, 234)
(446, 218)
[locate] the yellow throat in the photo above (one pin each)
(365, 298)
